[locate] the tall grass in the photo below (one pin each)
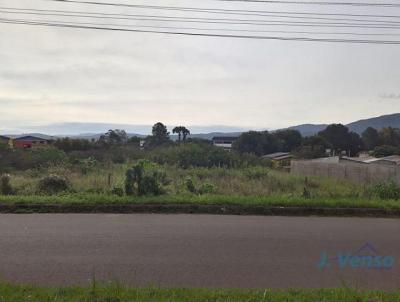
(254, 181)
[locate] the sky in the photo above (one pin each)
(52, 75)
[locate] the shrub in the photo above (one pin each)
(306, 193)
(206, 188)
(256, 172)
(117, 191)
(87, 164)
(190, 185)
(52, 184)
(194, 155)
(5, 186)
(387, 190)
(47, 156)
(145, 178)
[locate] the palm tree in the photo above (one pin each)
(179, 131)
(185, 132)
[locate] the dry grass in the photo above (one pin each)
(257, 181)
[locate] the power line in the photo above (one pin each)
(314, 3)
(116, 15)
(259, 1)
(182, 33)
(376, 4)
(224, 11)
(206, 29)
(221, 21)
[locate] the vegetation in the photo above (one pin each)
(5, 186)
(145, 178)
(115, 169)
(116, 292)
(52, 184)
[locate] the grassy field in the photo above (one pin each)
(116, 293)
(254, 181)
(248, 186)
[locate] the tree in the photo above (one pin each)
(354, 144)
(370, 138)
(340, 139)
(178, 130)
(288, 139)
(114, 137)
(312, 147)
(390, 136)
(258, 143)
(160, 136)
(160, 131)
(336, 135)
(182, 132)
(185, 132)
(385, 150)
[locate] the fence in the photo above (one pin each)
(360, 173)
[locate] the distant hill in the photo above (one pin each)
(94, 130)
(309, 129)
(390, 120)
(210, 135)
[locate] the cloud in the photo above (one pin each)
(52, 75)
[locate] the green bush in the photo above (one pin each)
(86, 165)
(195, 155)
(47, 156)
(145, 178)
(256, 172)
(53, 184)
(382, 151)
(5, 186)
(117, 191)
(387, 191)
(190, 185)
(206, 188)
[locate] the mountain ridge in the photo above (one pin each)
(388, 120)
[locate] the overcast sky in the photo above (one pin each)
(55, 75)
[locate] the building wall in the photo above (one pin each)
(28, 144)
(359, 173)
(223, 145)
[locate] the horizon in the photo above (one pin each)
(81, 129)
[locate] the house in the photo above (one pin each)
(279, 159)
(29, 141)
(361, 160)
(224, 141)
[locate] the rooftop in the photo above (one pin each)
(277, 155)
(224, 138)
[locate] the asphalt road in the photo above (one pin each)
(196, 250)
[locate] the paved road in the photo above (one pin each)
(193, 250)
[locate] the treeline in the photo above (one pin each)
(115, 147)
(336, 138)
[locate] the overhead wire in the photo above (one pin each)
(308, 19)
(395, 25)
(273, 15)
(182, 33)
